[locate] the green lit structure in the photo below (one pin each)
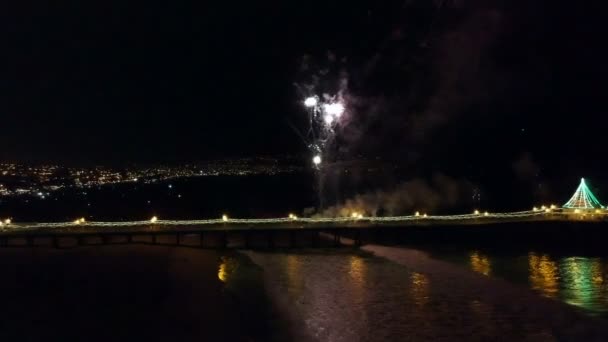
(583, 198)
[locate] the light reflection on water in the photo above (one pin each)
(351, 297)
(480, 263)
(544, 274)
(582, 283)
(579, 281)
(226, 268)
(420, 288)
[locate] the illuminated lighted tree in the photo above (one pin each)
(583, 198)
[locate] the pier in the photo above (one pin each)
(296, 233)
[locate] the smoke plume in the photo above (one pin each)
(441, 192)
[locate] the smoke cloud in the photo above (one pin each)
(441, 192)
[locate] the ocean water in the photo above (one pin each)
(128, 293)
(579, 279)
(393, 293)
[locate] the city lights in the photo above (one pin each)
(42, 181)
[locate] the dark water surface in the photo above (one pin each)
(159, 293)
(129, 293)
(576, 278)
(342, 295)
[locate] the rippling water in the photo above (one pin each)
(576, 280)
(353, 296)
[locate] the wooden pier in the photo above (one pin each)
(203, 238)
(318, 236)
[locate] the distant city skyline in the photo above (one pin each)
(458, 88)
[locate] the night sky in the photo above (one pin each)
(488, 90)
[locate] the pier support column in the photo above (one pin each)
(200, 239)
(336, 239)
(247, 238)
(270, 240)
(55, 242)
(292, 239)
(315, 238)
(224, 239)
(357, 238)
(153, 239)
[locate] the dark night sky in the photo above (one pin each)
(466, 87)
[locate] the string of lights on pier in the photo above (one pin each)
(582, 204)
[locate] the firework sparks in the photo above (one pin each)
(316, 160)
(311, 102)
(333, 109)
(324, 117)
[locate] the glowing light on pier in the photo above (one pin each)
(7, 221)
(417, 214)
(476, 212)
(522, 215)
(80, 221)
